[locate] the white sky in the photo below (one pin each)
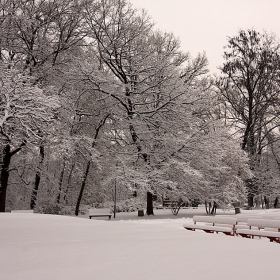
(204, 25)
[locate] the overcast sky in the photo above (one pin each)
(204, 25)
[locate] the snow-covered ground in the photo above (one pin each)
(48, 247)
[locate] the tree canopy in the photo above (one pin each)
(101, 96)
(249, 92)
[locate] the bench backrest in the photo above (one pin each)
(99, 211)
(229, 220)
(225, 220)
(204, 219)
(270, 216)
(264, 223)
(244, 218)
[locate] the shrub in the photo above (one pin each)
(50, 207)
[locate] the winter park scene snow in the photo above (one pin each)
(35, 246)
(139, 139)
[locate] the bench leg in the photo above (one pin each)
(245, 235)
(209, 231)
(192, 229)
(228, 233)
(274, 239)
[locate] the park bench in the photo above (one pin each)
(100, 212)
(242, 219)
(23, 211)
(213, 224)
(264, 223)
(274, 236)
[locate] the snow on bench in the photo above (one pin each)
(270, 216)
(213, 220)
(204, 219)
(228, 220)
(244, 218)
(264, 223)
(250, 233)
(209, 228)
(100, 212)
(23, 211)
(261, 224)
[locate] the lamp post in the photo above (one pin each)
(115, 198)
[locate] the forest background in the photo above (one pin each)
(94, 98)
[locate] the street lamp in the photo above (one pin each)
(115, 198)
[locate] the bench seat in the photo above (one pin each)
(102, 212)
(22, 211)
(209, 228)
(249, 233)
(215, 222)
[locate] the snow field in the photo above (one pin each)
(44, 247)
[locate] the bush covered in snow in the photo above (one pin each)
(50, 207)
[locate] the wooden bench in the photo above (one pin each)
(23, 211)
(100, 212)
(213, 227)
(264, 223)
(274, 236)
(242, 219)
(250, 233)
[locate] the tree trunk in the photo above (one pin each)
(266, 201)
(37, 178)
(4, 177)
(82, 189)
(68, 184)
(257, 200)
(60, 183)
(150, 208)
(275, 203)
(250, 200)
(214, 208)
(7, 155)
(208, 207)
(175, 208)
